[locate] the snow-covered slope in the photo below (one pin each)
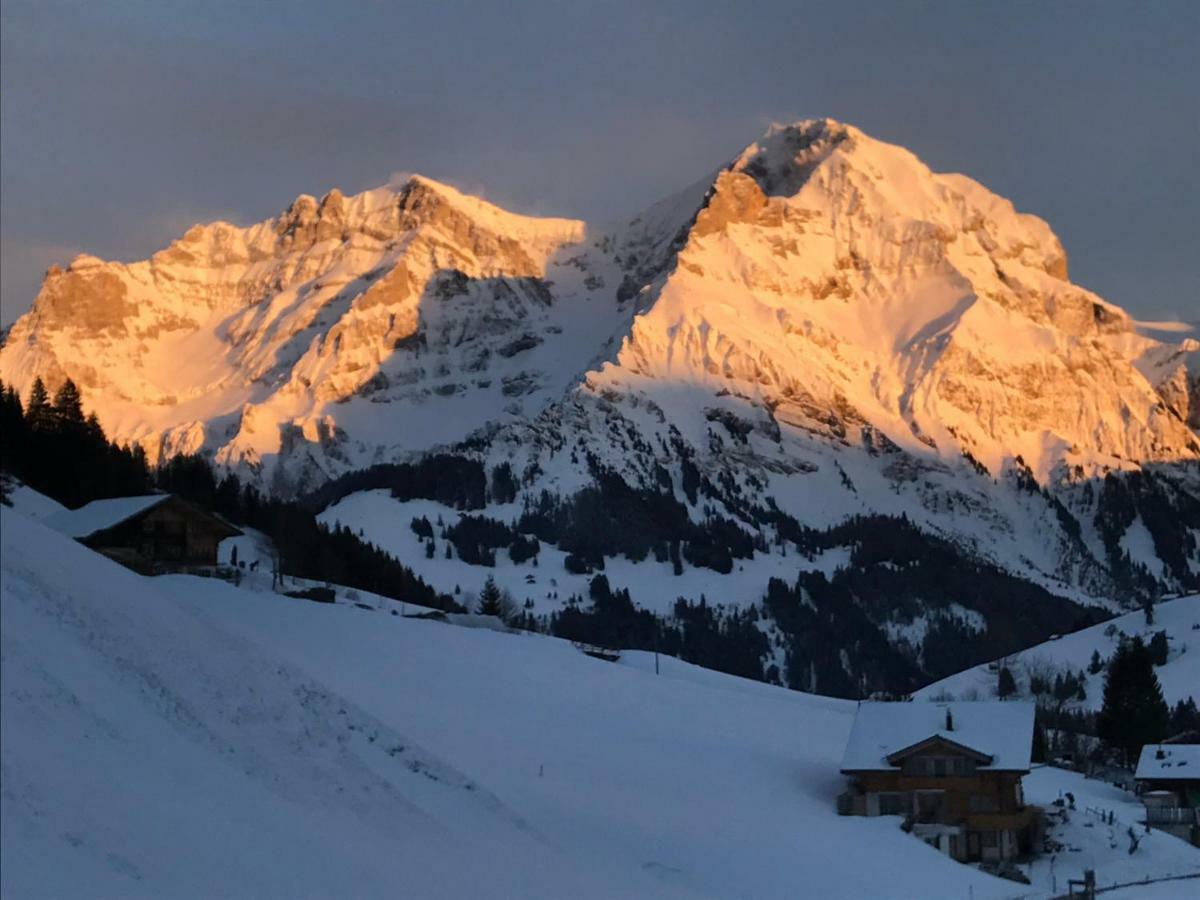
(1179, 677)
(179, 737)
(824, 324)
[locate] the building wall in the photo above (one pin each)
(171, 533)
(987, 807)
(984, 792)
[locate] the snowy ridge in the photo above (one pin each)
(1179, 677)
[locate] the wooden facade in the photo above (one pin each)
(950, 798)
(173, 535)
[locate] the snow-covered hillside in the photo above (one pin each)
(1179, 677)
(180, 737)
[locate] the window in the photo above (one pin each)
(990, 838)
(893, 804)
(938, 766)
(983, 803)
(930, 803)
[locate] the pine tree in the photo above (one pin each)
(1185, 717)
(13, 438)
(37, 410)
(1158, 648)
(1040, 751)
(1134, 712)
(1096, 664)
(489, 599)
(68, 405)
(1007, 685)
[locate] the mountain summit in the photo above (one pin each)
(832, 273)
(826, 326)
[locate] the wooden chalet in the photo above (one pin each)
(952, 770)
(1168, 774)
(149, 534)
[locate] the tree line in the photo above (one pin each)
(53, 448)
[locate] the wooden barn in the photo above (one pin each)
(952, 770)
(150, 534)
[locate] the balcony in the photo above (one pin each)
(1172, 815)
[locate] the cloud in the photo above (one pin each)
(1174, 325)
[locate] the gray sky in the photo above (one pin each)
(123, 122)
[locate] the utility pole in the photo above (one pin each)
(656, 643)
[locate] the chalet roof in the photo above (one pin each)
(1178, 762)
(101, 515)
(999, 731)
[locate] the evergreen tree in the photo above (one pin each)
(504, 484)
(1134, 712)
(1158, 648)
(1185, 717)
(1007, 685)
(489, 603)
(1096, 664)
(37, 410)
(13, 439)
(1040, 752)
(68, 405)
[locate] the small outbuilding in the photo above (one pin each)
(151, 534)
(1169, 777)
(952, 770)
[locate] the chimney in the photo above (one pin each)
(949, 720)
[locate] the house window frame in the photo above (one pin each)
(940, 766)
(903, 803)
(937, 795)
(983, 803)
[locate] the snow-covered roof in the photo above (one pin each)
(1002, 731)
(100, 515)
(1169, 762)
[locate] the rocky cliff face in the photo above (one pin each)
(832, 276)
(260, 344)
(825, 323)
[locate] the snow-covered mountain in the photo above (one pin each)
(823, 329)
(339, 333)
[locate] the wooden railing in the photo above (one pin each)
(1172, 815)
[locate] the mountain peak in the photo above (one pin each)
(831, 278)
(813, 129)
